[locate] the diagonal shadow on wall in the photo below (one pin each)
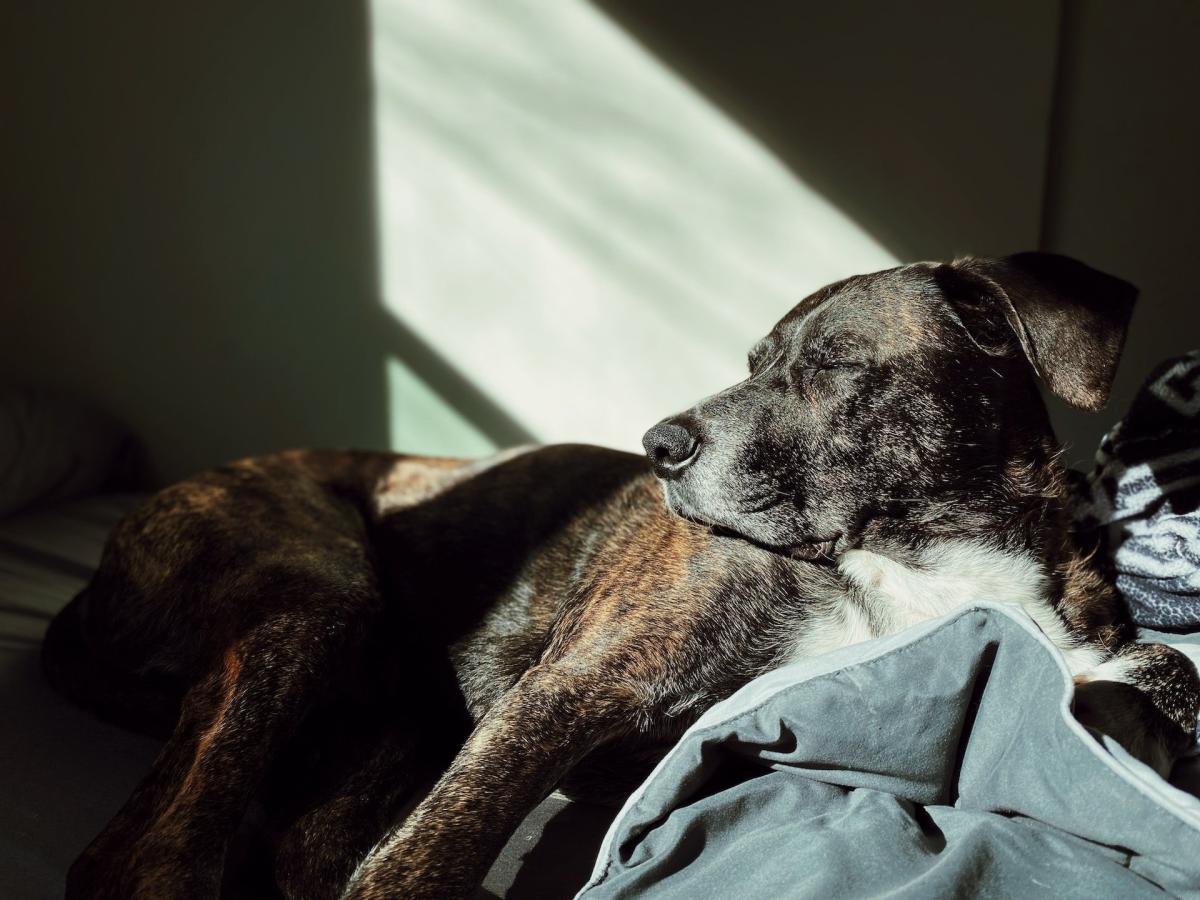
(925, 125)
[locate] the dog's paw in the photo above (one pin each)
(1127, 715)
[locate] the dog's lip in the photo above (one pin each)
(814, 550)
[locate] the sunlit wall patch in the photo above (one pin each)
(572, 226)
(422, 422)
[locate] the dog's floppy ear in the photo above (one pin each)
(1068, 318)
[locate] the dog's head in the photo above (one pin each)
(908, 395)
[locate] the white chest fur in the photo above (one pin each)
(886, 596)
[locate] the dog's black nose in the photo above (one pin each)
(671, 447)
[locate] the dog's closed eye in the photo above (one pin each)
(835, 365)
(834, 375)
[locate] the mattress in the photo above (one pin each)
(64, 773)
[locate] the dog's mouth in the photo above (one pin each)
(824, 550)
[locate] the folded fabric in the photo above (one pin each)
(1143, 498)
(940, 762)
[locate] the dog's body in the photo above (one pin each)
(324, 629)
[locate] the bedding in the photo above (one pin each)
(943, 761)
(54, 447)
(1143, 498)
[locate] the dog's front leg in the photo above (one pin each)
(520, 750)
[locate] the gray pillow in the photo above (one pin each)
(53, 447)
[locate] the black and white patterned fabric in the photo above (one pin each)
(1145, 496)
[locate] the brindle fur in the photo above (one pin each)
(324, 630)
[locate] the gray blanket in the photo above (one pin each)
(943, 761)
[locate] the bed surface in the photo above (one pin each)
(64, 773)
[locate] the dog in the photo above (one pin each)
(323, 631)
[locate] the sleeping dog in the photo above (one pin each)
(326, 632)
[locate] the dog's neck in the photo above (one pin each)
(1009, 545)
(1021, 506)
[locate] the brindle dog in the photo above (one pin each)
(322, 630)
